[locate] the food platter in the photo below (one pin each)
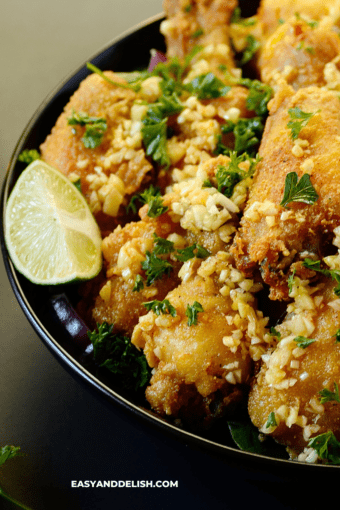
(45, 307)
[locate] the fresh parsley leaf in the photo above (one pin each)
(337, 337)
(154, 138)
(197, 33)
(274, 332)
(139, 284)
(162, 246)
(161, 307)
(303, 342)
(252, 47)
(95, 128)
(247, 133)
(192, 311)
(117, 354)
(155, 267)
(315, 265)
(207, 86)
(298, 191)
(329, 396)
(271, 422)
(299, 120)
(291, 281)
(28, 156)
(258, 97)
(156, 207)
(151, 196)
(195, 250)
(96, 70)
(327, 447)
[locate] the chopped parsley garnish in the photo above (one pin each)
(312, 23)
(291, 281)
(28, 156)
(271, 422)
(274, 332)
(155, 267)
(298, 190)
(329, 396)
(161, 307)
(315, 265)
(197, 33)
(299, 120)
(96, 70)
(337, 337)
(258, 97)
(94, 131)
(162, 246)
(115, 352)
(247, 134)
(207, 86)
(327, 447)
(303, 342)
(139, 284)
(151, 196)
(195, 250)
(192, 311)
(252, 46)
(154, 137)
(237, 18)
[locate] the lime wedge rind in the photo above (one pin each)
(50, 233)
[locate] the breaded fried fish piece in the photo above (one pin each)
(201, 351)
(205, 23)
(298, 51)
(272, 13)
(118, 165)
(295, 395)
(274, 238)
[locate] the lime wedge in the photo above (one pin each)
(50, 233)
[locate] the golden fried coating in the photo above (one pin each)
(298, 52)
(272, 13)
(199, 370)
(120, 153)
(272, 237)
(118, 302)
(199, 22)
(291, 378)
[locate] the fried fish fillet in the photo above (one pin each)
(201, 367)
(286, 399)
(272, 238)
(199, 22)
(272, 13)
(298, 51)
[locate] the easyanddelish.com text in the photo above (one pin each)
(124, 484)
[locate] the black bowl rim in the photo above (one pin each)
(72, 365)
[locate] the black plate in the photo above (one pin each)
(127, 53)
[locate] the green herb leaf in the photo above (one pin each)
(207, 86)
(274, 332)
(258, 97)
(327, 447)
(8, 452)
(139, 284)
(298, 191)
(95, 128)
(291, 281)
(303, 341)
(161, 307)
(337, 336)
(96, 70)
(28, 156)
(299, 120)
(116, 353)
(315, 265)
(329, 396)
(192, 311)
(252, 47)
(271, 422)
(197, 33)
(247, 133)
(195, 250)
(155, 267)
(237, 18)
(162, 246)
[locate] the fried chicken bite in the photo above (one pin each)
(299, 51)
(294, 397)
(201, 351)
(275, 238)
(205, 23)
(114, 168)
(271, 13)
